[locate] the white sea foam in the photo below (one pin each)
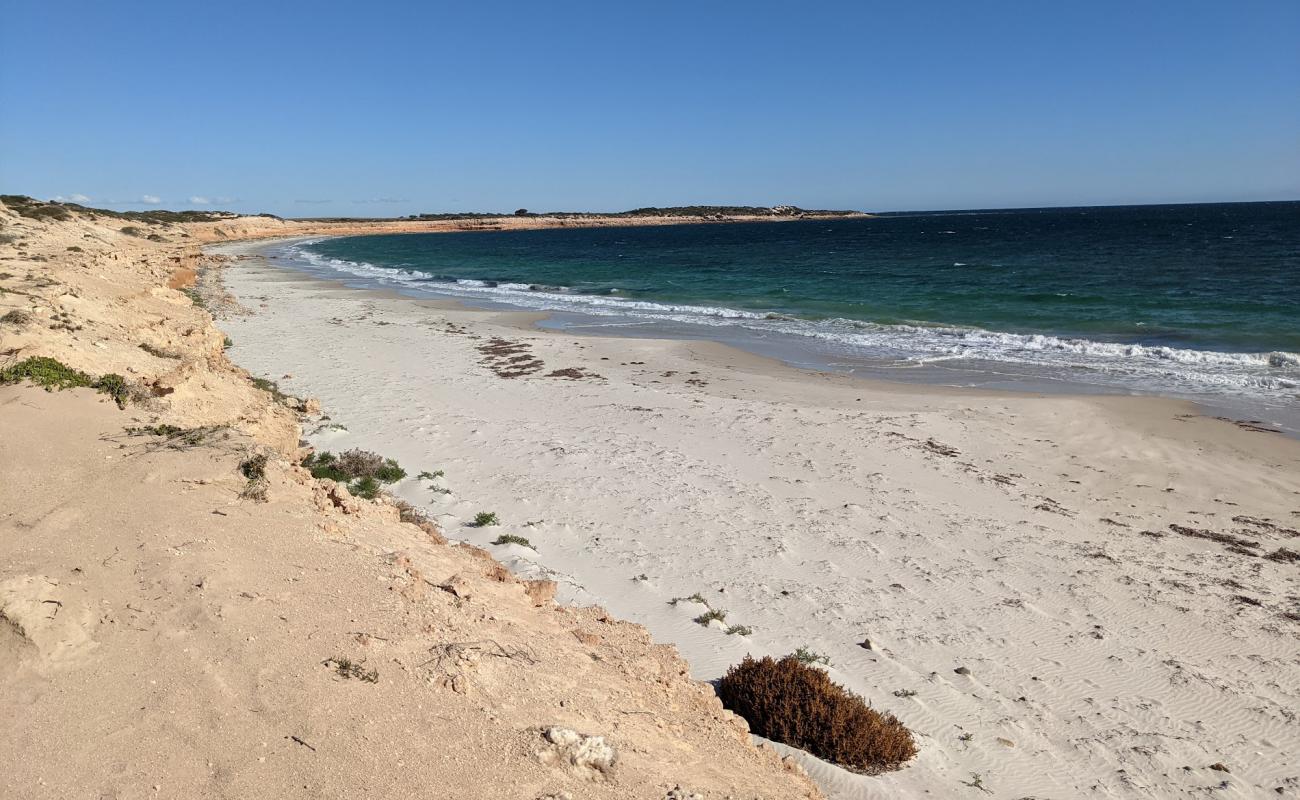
(1135, 366)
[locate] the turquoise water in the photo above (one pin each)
(1187, 300)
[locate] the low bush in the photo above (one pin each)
(366, 487)
(363, 472)
(710, 615)
(789, 702)
(485, 519)
(510, 538)
(51, 374)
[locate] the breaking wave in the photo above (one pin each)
(1122, 365)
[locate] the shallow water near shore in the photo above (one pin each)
(1191, 302)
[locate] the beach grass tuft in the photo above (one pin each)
(484, 519)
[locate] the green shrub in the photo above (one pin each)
(739, 630)
(264, 384)
(484, 519)
(711, 615)
(51, 374)
(790, 702)
(366, 487)
(510, 538)
(114, 386)
(806, 656)
(321, 465)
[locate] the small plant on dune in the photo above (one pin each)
(347, 668)
(739, 630)
(426, 475)
(227, 343)
(484, 519)
(74, 249)
(795, 704)
(131, 230)
(904, 693)
(114, 386)
(389, 472)
(806, 655)
(977, 782)
(254, 469)
(710, 615)
(695, 598)
(51, 374)
(510, 538)
(272, 387)
(17, 316)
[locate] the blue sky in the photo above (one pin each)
(391, 108)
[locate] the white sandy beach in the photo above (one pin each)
(1026, 539)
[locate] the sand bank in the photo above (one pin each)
(1097, 566)
(186, 613)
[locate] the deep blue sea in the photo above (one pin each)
(1198, 301)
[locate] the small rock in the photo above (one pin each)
(588, 756)
(678, 793)
(962, 671)
(540, 592)
(865, 644)
(458, 586)
(1218, 766)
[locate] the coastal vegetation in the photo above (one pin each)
(511, 538)
(790, 702)
(32, 208)
(363, 472)
(485, 519)
(52, 374)
(805, 655)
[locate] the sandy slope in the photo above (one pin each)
(1026, 539)
(162, 634)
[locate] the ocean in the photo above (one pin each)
(1193, 301)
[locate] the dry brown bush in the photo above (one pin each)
(790, 702)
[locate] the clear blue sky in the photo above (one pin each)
(390, 108)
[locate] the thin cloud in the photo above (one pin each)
(72, 198)
(150, 199)
(313, 202)
(199, 201)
